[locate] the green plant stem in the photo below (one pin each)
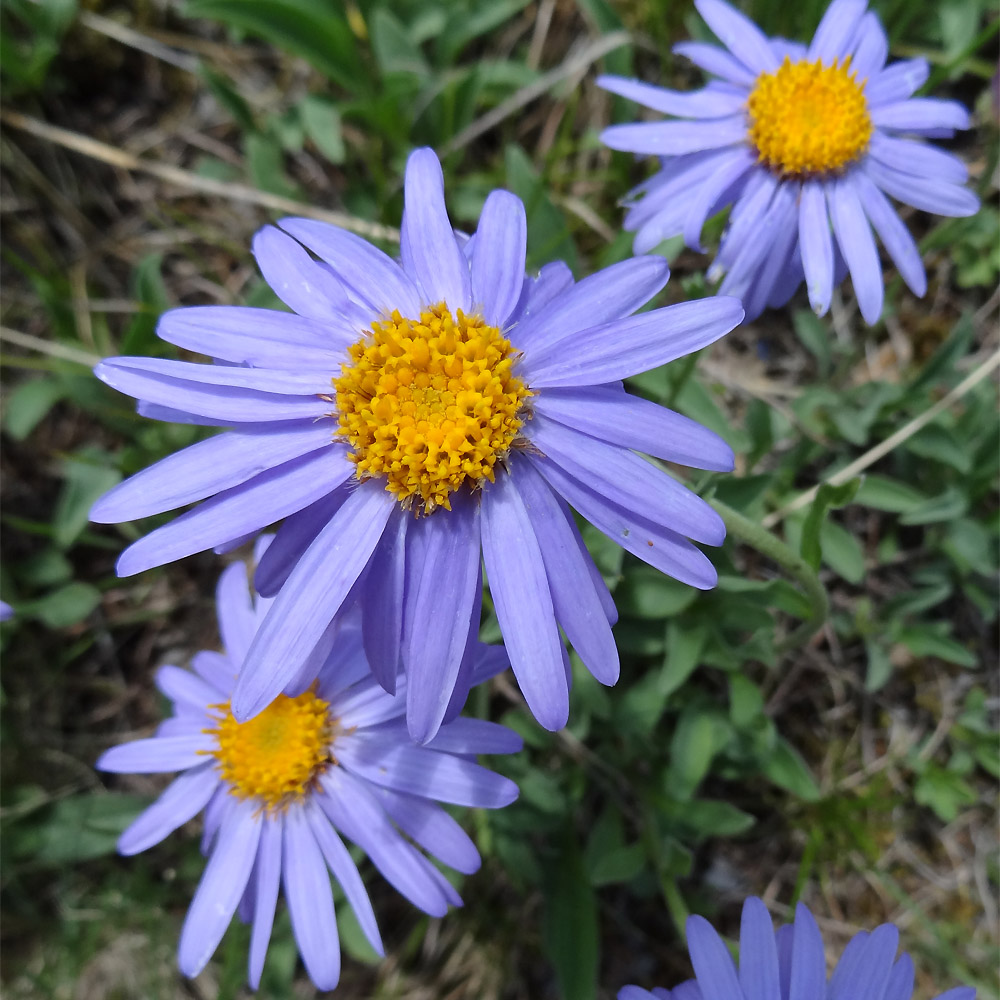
(759, 538)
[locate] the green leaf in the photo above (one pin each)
(943, 791)
(879, 666)
(393, 45)
(683, 653)
(787, 769)
(931, 640)
(647, 593)
(65, 606)
(826, 497)
(266, 163)
(941, 445)
(711, 818)
(842, 552)
(890, 495)
(620, 865)
(352, 938)
(695, 742)
(746, 703)
(85, 826)
(570, 925)
(948, 506)
(321, 119)
(86, 476)
(312, 30)
(28, 404)
(226, 94)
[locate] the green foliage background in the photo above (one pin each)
(821, 726)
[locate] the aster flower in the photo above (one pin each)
(791, 965)
(331, 758)
(410, 418)
(800, 141)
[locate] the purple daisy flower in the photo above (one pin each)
(331, 757)
(791, 965)
(805, 144)
(410, 419)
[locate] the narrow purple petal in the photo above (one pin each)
(266, 882)
(311, 597)
(156, 755)
(872, 49)
(893, 233)
(404, 767)
(900, 985)
(729, 170)
(552, 280)
(234, 607)
(295, 383)
(207, 467)
(776, 263)
(919, 113)
(245, 508)
(857, 244)
(628, 480)
(433, 829)
(363, 269)
(817, 246)
(654, 544)
(523, 603)
(305, 286)
(428, 247)
(264, 338)
(742, 237)
(231, 404)
(674, 138)
(707, 103)
(752, 257)
(716, 61)
(836, 30)
(578, 607)
(626, 347)
(382, 605)
(867, 974)
(610, 294)
(346, 873)
(367, 704)
(919, 158)
(182, 800)
(498, 258)
(310, 901)
(170, 415)
(442, 572)
(930, 196)
(712, 964)
(739, 34)
(466, 669)
(297, 532)
(221, 887)
(185, 688)
(215, 668)
(353, 809)
(897, 82)
(758, 953)
(808, 970)
(958, 993)
(475, 736)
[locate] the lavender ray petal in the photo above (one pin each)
(817, 246)
(523, 603)
(919, 113)
(918, 158)
(240, 510)
(674, 138)
(712, 187)
(156, 755)
(807, 978)
(498, 258)
(382, 606)
(184, 687)
(429, 250)
(310, 901)
(716, 61)
(234, 607)
(857, 244)
(872, 48)
(836, 29)
(706, 103)
(266, 881)
(216, 669)
(346, 873)
(713, 967)
(758, 952)
(659, 546)
(371, 275)
(182, 800)
(868, 973)
(221, 886)
(475, 736)
(897, 82)
(930, 196)
(310, 598)
(739, 34)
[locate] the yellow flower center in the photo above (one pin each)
(430, 404)
(276, 756)
(807, 118)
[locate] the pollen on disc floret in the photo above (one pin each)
(275, 757)
(806, 118)
(430, 404)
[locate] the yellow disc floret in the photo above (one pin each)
(430, 404)
(806, 118)
(276, 756)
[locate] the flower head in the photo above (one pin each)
(410, 419)
(330, 758)
(805, 144)
(791, 964)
